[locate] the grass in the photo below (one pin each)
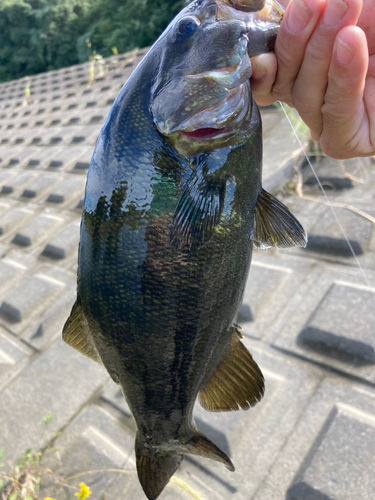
(24, 480)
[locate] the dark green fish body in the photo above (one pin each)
(171, 212)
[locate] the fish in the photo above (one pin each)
(173, 207)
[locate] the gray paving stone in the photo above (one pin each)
(68, 157)
(87, 135)
(330, 454)
(64, 244)
(13, 219)
(46, 328)
(70, 188)
(331, 321)
(60, 380)
(271, 284)
(352, 338)
(15, 184)
(93, 441)
(326, 236)
(9, 271)
(7, 152)
(36, 229)
(21, 158)
(28, 299)
(5, 176)
(13, 357)
(40, 185)
(42, 158)
(83, 162)
(4, 207)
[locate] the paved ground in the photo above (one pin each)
(308, 317)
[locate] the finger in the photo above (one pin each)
(311, 83)
(295, 31)
(264, 69)
(366, 21)
(346, 127)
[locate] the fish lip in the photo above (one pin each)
(237, 104)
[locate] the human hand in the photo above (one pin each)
(325, 68)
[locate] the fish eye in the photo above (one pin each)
(186, 26)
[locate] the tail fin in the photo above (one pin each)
(156, 465)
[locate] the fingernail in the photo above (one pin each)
(333, 13)
(299, 16)
(344, 53)
(258, 69)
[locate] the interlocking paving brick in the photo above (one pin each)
(5, 176)
(8, 152)
(251, 438)
(39, 185)
(36, 229)
(13, 356)
(83, 162)
(13, 219)
(70, 188)
(272, 282)
(31, 297)
(59, 375)
(4, 207)
(17, 183)
(42, 158)
(88, 135)
(21, 158)
(96, 439)
(318, 317)
(326, 236)
(331, 321)
(69, 156)
(64, 244)
(330, 454)
(9, 270)
(45, 329)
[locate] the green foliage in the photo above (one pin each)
(42, 35)
(126, 24)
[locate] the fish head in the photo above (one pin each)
(201, 98)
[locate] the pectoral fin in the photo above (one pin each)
(198, 211)
(236, 383)
(274, 225)
(76, 334)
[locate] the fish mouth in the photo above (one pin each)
(221, 119)
(224, 124)
(206, 133)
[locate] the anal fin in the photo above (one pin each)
(76, 334)
(236, 383)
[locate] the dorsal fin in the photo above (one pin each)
(236, 383)
(274, 225)
(77, 335)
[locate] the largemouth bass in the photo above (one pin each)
(173, 206)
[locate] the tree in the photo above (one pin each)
(41, 35)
